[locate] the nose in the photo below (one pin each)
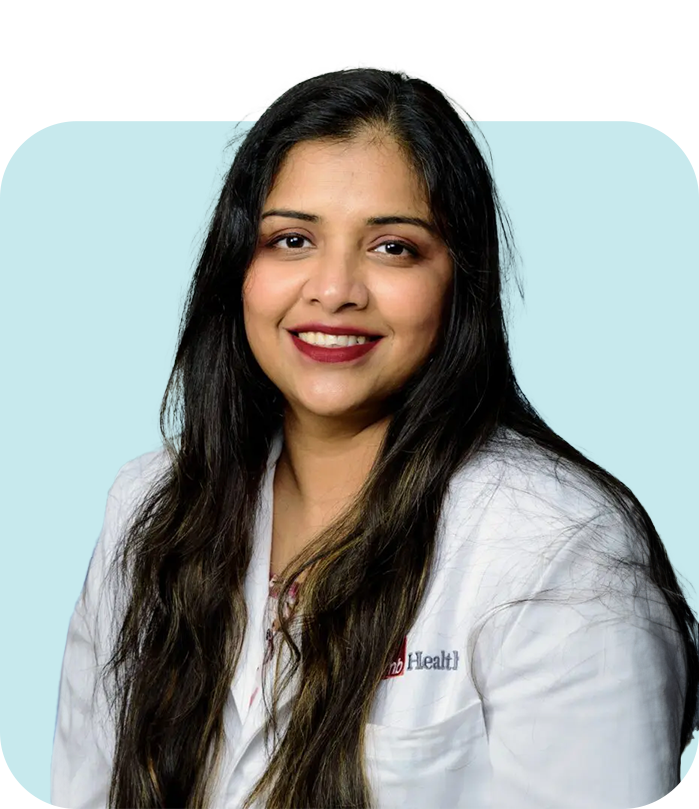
(336, 279)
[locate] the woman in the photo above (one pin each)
(463, 610)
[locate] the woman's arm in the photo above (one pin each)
(583, 693)
(83, 740)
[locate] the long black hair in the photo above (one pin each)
(185, 555)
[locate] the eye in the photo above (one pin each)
(399, 249)
(293, 241)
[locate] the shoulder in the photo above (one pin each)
(531, 544)
(136, 477)
(513, 476)
(518, 509)
(144, 465)
(129, 489)
(131, 485)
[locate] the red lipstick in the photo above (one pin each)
(339, 354)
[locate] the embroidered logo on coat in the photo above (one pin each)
(444, 661)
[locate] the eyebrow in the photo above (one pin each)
(373, 220)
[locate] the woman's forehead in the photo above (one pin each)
(361, 172)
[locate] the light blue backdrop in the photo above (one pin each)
(99, 229)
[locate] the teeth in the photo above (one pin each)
(317, 338)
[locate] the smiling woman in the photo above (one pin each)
(363, 571)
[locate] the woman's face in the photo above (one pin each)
(321, 259)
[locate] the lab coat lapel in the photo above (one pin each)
(256, 589)
(253, 715)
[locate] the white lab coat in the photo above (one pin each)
(571, 703)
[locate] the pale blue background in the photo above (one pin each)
(99, 229)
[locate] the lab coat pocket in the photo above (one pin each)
(444, 764)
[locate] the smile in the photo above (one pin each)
(352, 350)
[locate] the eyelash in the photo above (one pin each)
(411, 250)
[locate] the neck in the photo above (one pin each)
(322, 471)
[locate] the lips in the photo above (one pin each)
(340, 354)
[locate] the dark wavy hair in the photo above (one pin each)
(186, 552)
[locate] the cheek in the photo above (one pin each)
(262, 304)
(256, 318)
(414, 311)
(253, 289)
